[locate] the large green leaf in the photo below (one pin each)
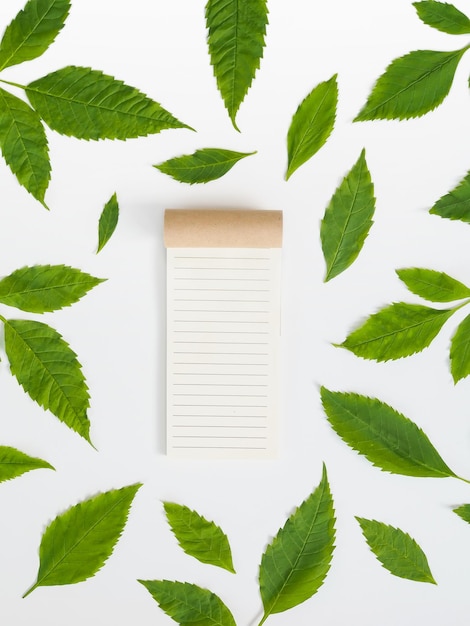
(463, 512)
(87, 104)
(14, 463)
(460, 351)
(78, 542)
(108, 221)
(24, 144)
(347, 219)
(397, 551)
(455, 205)
(388, 439)
(311, 124)
(412, 85)
(432, 285)
(48, 370)
(295, 564)
(396, 331)
(198, 537)
(189, 605)
(236, 32)
(443, 16)
(43, 288)
(32, 31)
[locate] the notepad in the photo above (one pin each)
(223, 332)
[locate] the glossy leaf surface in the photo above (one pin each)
(432, 285)
(443, 16)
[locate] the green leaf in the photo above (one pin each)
(311, 124)
(48, 370)
(236, 32)
(396, 331)
(295, 564)
(388, 439)
(199, 538)
(460, 351)
(78, 542)
(188, 604)
(202, 166)
(455, 205)
(44, 288)
(432, 285)
(412, 85)
(347, 219)
(443, 16)
(14, 463)
(32, 31)
(463, 512)
(24, 144)
(397, 551)
(108, 222)
(87, 104)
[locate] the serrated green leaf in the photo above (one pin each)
(432, 285)
(311, 124)
(412, 85)
(14, 463)
(78, 542)
(108, 221)
(463, 512)
(198, 537)
(455, 205)
(32, 31)
(44, 288)
(189, 605)
(295, 564)
(388, 439)
(397, 551)
(202, 166)
(396, 331)
(24, 144)
(443, 16)
(236, 32)
(87, 104)
(348, 219)
(49, 372)
(460, 351)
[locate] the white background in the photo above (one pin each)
(118, 329)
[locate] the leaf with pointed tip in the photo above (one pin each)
(236, 32)
(397, 551)
(412, 85)
(311, 124)
(202, 166)
(460, 351)
(295, 564)
(188, 604)
(463, 512)
(198, 537)
(78, 542)
(108, 222)
(388, 439)
(32, 31)
(443, 16)
(87, 104)
(14, 463)
(24, 144)
(48, 370)
(348, 219)
(455, 205)
(432, 285)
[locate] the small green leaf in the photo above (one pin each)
(44, 288)
(108, 222)
(32, 31)
(202, 166)
(78, 542)
(455, 205)
(432, 285)
(24, 144)
(295, 564)
(236, 32)
(199, 538)
(48, 370)
(189, 605)
(463, 512)
(311, 124)
(87, 104)
(396, 331)
(412, 85)
(348, 219)
(460, 351)
(443, 16)
(14, 463)
(388, 439)
(397, 551)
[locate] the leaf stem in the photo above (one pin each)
(30, 590)
(8, 82)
